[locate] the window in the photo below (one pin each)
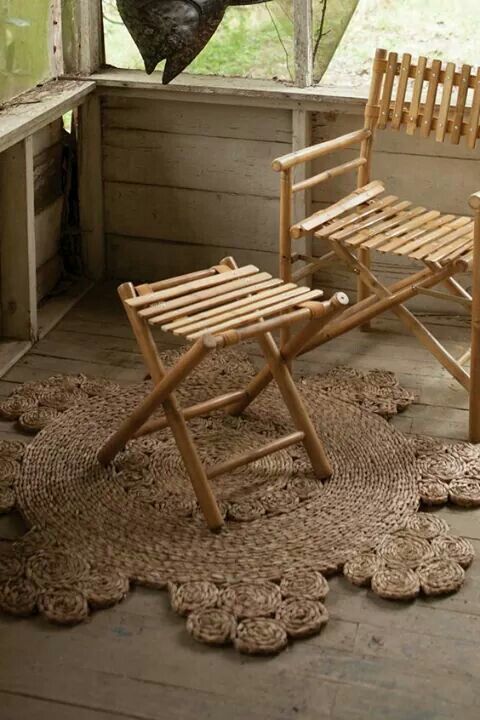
(25, 45)
(252, 41)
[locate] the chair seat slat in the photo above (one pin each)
(419, 236)
(225, 310)
(370, 238)
(359, 213)
(438, 238)
(276, 309)
(184, 288)
(371, 221)
(172, 308)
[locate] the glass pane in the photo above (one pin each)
(252, 41)
(24, 45)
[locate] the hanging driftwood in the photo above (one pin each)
(175, 30)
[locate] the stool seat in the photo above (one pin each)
(212, 308)
(222, 301)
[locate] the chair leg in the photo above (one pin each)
(186, 446)
(294, 403)
(474, 416)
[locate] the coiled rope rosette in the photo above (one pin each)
(396, 583)
(441, 576)
(302, 617)
(465, 492)
(63, 606)
(212, 626)
(260, 636)
(426, 525)
(191, 596)
(404, 549)
(257, 598)
(433, 493)
(360, 569)
(454, 548)
(304, 583)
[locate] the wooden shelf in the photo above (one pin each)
(31, 111)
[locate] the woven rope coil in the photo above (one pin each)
(443, 467)
(212, 626)
(425, 445)
(465, 493)
(404, 549)
(15, 406)
(304, 583)
(52, 568)
(260, 636)
(302, 617)
(18, 596)
(63, 606)
(360, 569)
(396, 583)
(426, 525)
(14, 449)
(433, 493)
(105, 589)
(61, 398)
(441, 577)
(10, 469)
(192, 596)
(455, 548)
(246, 510)
(304, 487)
(11, 567)
(7, 498)
(257, 598)
(35, 420)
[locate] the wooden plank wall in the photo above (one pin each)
(47, 150)
(187, 183)
(434, 175)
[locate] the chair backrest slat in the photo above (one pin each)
(472, 130)
(425, 97)
(417, 96)
(387, 90)
(426, 125)
(460, 107)
(442, 123)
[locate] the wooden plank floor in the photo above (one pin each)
(375, 660)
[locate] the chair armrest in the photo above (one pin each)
(475, 201)
(310, 153)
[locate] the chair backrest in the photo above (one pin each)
(425, 97)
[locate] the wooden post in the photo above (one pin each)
(82, 30)
(303, 41)
(293, 401)
(302, 201)
(90, 187)
(285, 239)
(18, 278)
(364, 173)
(474, 429)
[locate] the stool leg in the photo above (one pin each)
(295, 405)
(186, 446)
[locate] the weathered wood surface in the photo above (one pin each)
(375, 660)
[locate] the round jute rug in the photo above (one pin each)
(260, 583)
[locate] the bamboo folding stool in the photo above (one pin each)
(213, 309)
(403, 95)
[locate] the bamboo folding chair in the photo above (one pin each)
(213, 309)
(403, 95)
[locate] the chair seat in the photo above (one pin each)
(223, 301)
(390, 225)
